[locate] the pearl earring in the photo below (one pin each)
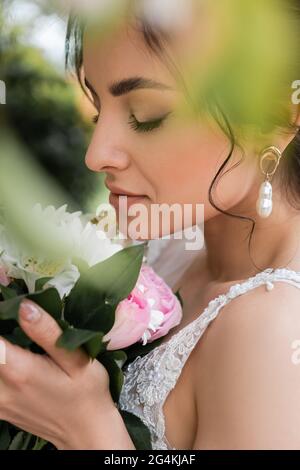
(264, 204)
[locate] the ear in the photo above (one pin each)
(285, 138)
(281, 137)
(296, 110)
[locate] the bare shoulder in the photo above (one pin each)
(257, 315)
(247, 372)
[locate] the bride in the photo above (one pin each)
(226, 377)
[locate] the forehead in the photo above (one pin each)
(121, 53)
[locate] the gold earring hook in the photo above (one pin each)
(272, 155)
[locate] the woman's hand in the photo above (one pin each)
(63, 396)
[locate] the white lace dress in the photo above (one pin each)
(150, 378)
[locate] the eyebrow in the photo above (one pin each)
(130, 84)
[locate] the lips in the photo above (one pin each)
(121, 192)
(114, 199)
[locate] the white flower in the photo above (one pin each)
(156, 320)
(80, 236)
(92, 248)
(21, 265)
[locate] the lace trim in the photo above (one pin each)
(149, 379)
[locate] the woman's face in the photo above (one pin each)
(140, 141)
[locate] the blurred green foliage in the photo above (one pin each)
(44, 115)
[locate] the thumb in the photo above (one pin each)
(44, 331)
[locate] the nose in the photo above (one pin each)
(106, 152)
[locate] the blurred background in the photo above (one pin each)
(49, 115)
(247, 73)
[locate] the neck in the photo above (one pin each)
(274, 242)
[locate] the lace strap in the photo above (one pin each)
(182, 343)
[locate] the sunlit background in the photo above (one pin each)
(247, 66)
(45, 109)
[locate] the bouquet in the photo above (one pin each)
(103, 296)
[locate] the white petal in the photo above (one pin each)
(151, 302)
(156, 319)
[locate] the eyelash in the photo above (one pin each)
(140, 126)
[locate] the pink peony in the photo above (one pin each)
(148, 313)
(4, 279)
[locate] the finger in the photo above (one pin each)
(44, 331)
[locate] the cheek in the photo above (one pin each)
(181, 167)
(184, 165)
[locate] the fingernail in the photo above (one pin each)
(29, 312)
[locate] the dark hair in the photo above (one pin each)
(155, 39)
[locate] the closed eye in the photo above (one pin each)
(147, 126)
(138, 126)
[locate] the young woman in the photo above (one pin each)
(226, 377)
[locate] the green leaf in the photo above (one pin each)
(72, 338)
(116, 376)
(39, 283)
(4, 435)
(20, 338)
(19, 286)
(92, 302)
(124, 269)
(179, 298)
(81, 265)
(17, 442)
(7, 327)
(26, 443)
(48, 299)
(85, 308)
(39, 443)
(7, 292)
(137, 430)
(95, 345)
(63, 324)
(101, 317)
(120, 357)
(9, 309)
